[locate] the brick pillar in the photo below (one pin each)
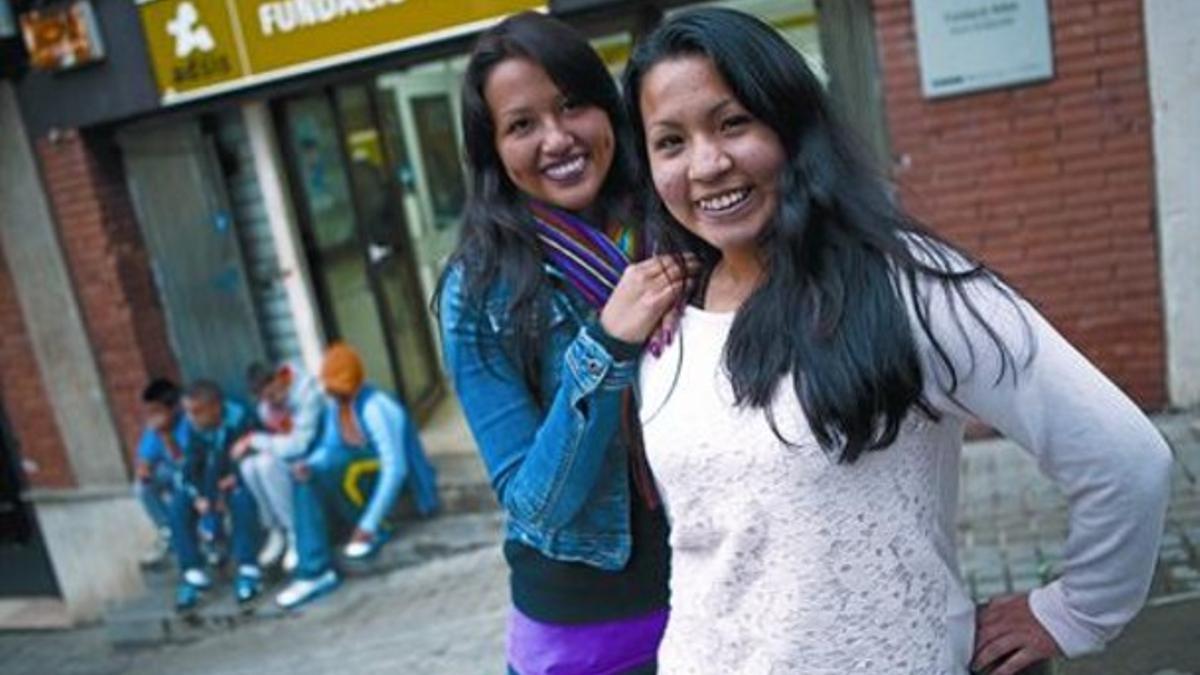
(26, 404)
(110, 267)
(1051, 183)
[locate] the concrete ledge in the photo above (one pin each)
(33, 614)
(81, 494)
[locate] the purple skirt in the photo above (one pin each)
(607, 648)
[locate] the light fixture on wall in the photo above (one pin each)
(62, 36)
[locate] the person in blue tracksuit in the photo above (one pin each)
(365, 433)
(209, 486)
(159, 456)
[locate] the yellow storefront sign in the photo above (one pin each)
(205, 47)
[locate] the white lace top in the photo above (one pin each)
(786, 562)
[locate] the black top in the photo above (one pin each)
(551, 591)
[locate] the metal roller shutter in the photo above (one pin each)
(258, 247)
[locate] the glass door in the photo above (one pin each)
(375, 179)
(421, 113)
(358, 246)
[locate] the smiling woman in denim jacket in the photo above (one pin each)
(543, 316)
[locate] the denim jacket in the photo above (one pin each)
(560, 469)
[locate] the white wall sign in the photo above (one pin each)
(969, 45)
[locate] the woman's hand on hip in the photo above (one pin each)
(1009, 638)
(646, 291)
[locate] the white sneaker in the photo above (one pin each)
(197, 577)
(301, 591)
(273, 548)
(356, 550)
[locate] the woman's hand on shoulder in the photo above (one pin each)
(646, 292)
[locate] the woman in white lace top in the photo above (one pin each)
(805, 426)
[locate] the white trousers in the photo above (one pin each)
(268, 479)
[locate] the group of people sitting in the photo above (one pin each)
(316, 458)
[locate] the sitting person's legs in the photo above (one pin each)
(155, 493)
(183, 532)
(267, 479)
(315, 508)
(243, 512)
(183, 520)
(277, 487)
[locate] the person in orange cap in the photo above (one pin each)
(364, 431)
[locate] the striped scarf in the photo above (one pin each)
(592, 262)
(590, 259)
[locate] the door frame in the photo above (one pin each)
(407, 86)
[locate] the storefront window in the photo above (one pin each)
(314, 144)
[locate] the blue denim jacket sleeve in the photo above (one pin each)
(543, 464)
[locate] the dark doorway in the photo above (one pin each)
(24, 564)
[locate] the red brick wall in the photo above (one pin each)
(110, 269)
(26, 405)
(1052, 183)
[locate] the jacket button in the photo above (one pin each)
(593, 367)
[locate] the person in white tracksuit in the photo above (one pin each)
(289, 408)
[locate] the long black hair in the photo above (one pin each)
(839, 254)
(497, 245)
